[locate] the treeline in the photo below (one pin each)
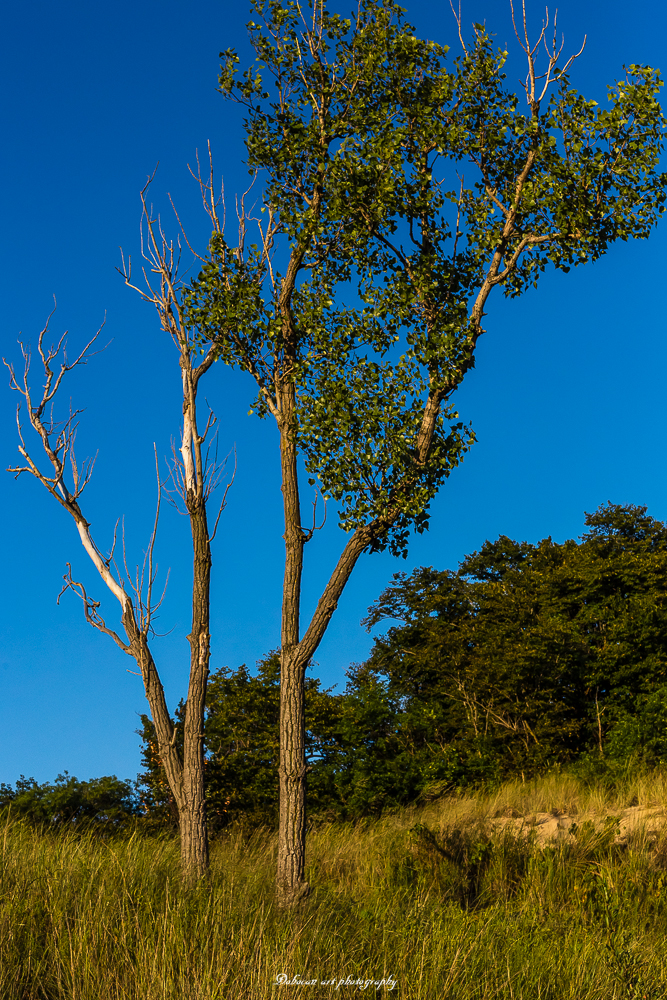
(529, 657)
(106, 802)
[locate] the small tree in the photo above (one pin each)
(193, 480)
(399, 192)
(242, 740)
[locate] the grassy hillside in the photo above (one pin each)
(465, 898)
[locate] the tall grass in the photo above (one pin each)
(434, 899)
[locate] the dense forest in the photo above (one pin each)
(528, 658)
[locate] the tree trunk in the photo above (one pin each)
(192, 818)
(290, 883)
(194, 834)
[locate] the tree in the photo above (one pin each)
(532, 655)
(398, 193)
(492, 669)
(192, 480)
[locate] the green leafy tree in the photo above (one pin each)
(469, 660)
(399, 190)
(242, 748)
(532, 654)
(529, 656)
(378, 764)
(623, 614)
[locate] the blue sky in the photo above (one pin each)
(567, 399)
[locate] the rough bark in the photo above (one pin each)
(290, 883)
(164, 727)
(194, 836)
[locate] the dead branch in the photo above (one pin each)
(151, 544)
(177, 478)
(145, 576)
(210, 201)
(474, 706)
(457, 18)
(308, 534)
(223, 502)
(553, 55)
(62, 450)
(90, 609)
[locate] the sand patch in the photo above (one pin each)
(550, 826)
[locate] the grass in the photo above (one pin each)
(433, 898)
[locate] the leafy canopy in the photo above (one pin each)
(399, 188)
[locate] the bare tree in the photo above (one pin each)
(192, 479)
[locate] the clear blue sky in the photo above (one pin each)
(567, 400)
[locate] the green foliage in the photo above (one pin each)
(373, 769)
(529, 658)
(367, 285)
(243, 749)
(67, 803)
(642, 734)
(242, 742)
(360, 751)
(533, 655)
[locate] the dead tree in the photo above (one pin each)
(192, 479)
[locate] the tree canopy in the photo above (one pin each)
(400, 186)
(532, 653)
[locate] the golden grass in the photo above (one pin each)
(431, 897)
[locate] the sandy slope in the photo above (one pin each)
(549, 826)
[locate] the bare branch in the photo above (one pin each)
(553, 55)
(307, 535)
(146, 609)
(223, 503)
(176, 476)
(90, 607)
(57, 453)
(209, 199)
(457, 18)
(519, 726)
